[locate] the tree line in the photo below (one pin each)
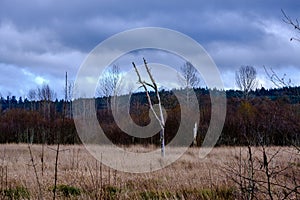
(269, 116)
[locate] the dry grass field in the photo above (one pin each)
(219, 176)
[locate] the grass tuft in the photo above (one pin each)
(110, 192)
(67, 190)
(155, 195)
(16, 193)
(222, 193)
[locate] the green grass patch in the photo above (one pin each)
(220, 193)
(67, 190)
(16, 193)
(155, 195)
(111, 192)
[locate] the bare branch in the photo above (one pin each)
(288, 20)
(156, 91)
(294, 23)
(150, 75)
(147, 93)
(276, 80)
(45, 93)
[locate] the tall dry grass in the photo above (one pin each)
(80, 176)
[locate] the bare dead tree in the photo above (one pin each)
(295, 23)
(59, 138)
(190, 77)
(46, 95)
(281, 82)
(159, 116)
(264, 176)
(273, 174)
(108, 83)
(70, 91)
(32, 96)
(245, 78)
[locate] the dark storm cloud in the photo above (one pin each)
(82, 25)
(49, 37)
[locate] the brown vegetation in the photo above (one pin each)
(80, 176)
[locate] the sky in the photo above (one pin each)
(41, 39)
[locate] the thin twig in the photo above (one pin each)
(35, 172)
(294, 23)
(58, 150)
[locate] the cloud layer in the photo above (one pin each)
(40, 40)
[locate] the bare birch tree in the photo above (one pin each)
(159, 116)
(190, 77)
(245, 78)
(108, 83)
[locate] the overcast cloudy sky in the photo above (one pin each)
(41, 39)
